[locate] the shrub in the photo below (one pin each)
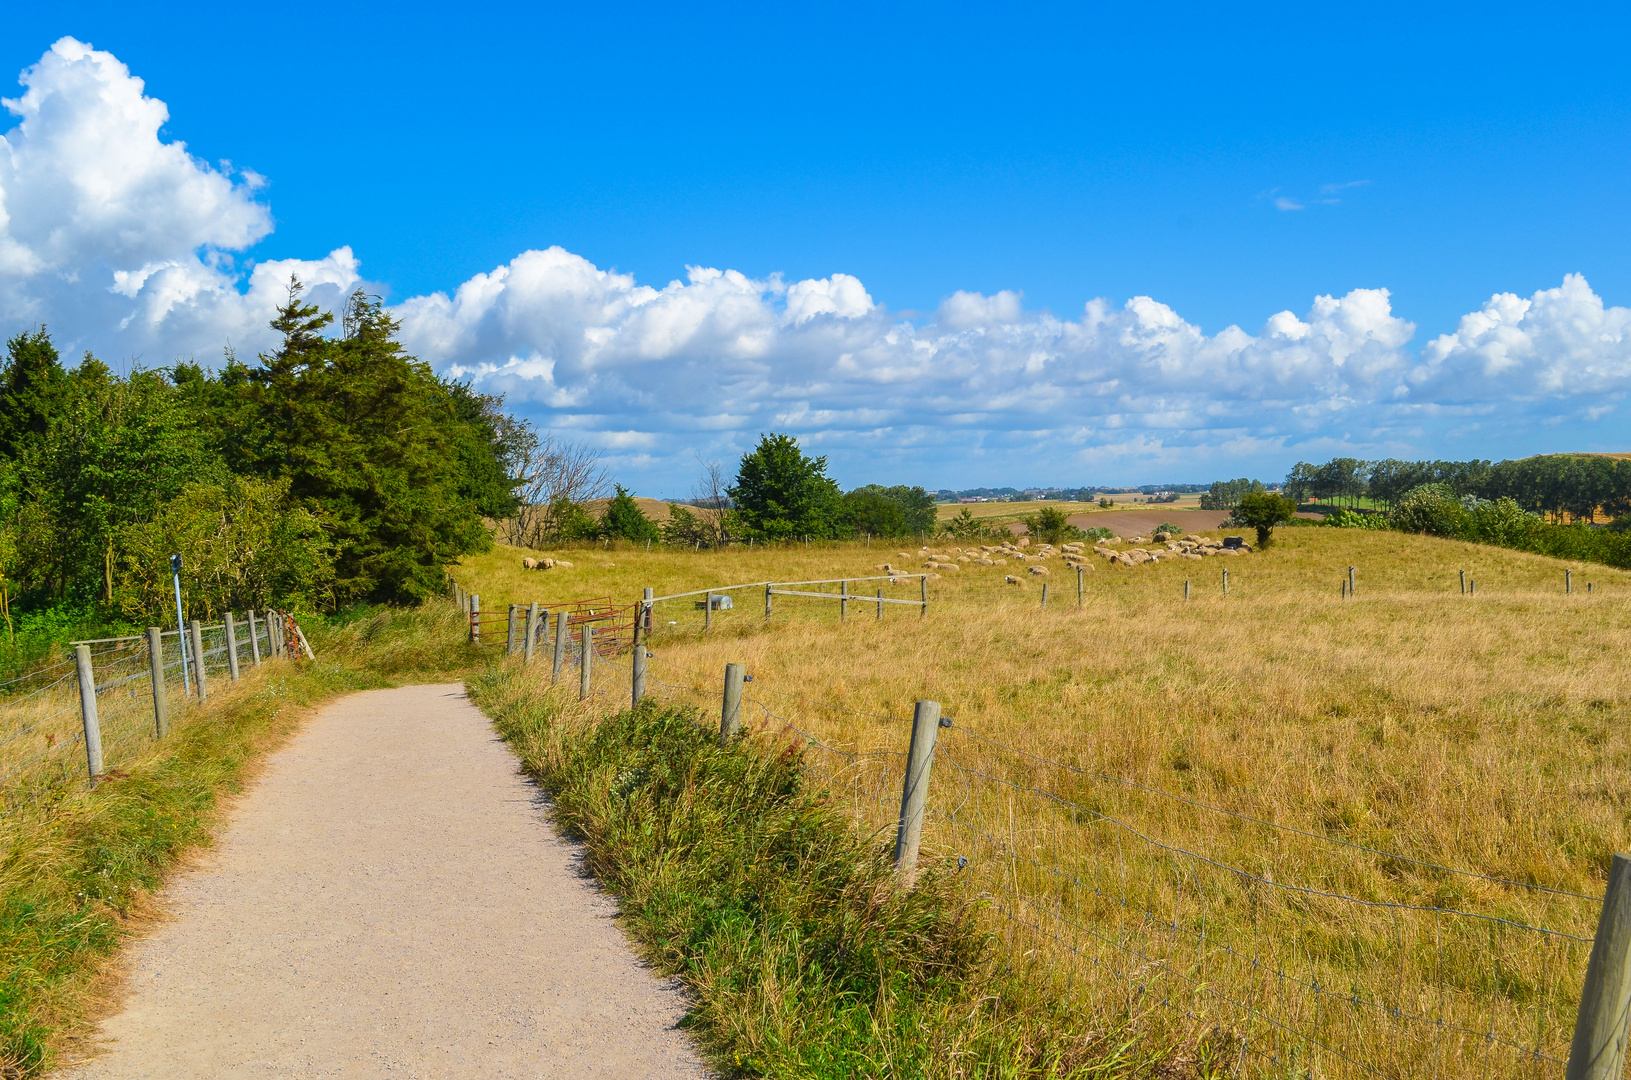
(1506, 523)
(1097, 532)
(1434, 510)
(1051, 525)
(1354, 519)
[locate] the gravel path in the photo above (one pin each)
(389, 900)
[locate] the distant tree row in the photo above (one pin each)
(1583, 486)
(335, 468)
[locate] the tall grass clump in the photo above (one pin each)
(783, 917)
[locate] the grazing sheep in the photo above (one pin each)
(561, 563)
(1039, 569)
(1011, 580)
(529, 563)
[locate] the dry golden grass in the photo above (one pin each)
(1485, 734)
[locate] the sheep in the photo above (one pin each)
(529, 563)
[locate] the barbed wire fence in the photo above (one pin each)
(77, 720)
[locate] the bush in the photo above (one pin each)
(1050, 525)
(1506, 523)
(1097, 532)
(1434, 510)
(1354, 519)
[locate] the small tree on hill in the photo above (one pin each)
(1050, 525)
(1263, 510)
(625, 520)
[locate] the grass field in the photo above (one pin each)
(1461, 735)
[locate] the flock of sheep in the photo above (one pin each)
(1074, 555)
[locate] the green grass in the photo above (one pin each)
(805, 957)
(77, 872)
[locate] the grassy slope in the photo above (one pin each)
(76, 877)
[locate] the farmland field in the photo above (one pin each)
(1273, 815)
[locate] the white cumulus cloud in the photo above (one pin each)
(129, 244)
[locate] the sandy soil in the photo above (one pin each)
(390, 900)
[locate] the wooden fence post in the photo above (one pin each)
(1080, 592)
(638, 667)
(1186, 588)
(730, 710)
(509, 633)
(475, 619)
(914, 794)
(155, 668)
(923, 594)
(87, 708)
(586, 663)
(562, 629)
(880, 605)
(254, 640)
(1350, 583)
(1463, 574)
(708, 611)
(232, 647)
(843, 600)
(1044, 596)
(1598, 1050)
(767, 599)
(197, 634)
(1226, 583)
(532, 632)
(1472, 587)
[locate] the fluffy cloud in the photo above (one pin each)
(122, 240)
(128, 244)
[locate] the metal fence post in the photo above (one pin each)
(561, 630)
(880, 605)
(232, 647)
(914, 794)
(532, 632)
(197, 633)
(87, 708)
(155, 668)
(843, 600)
(730, 710)
(586, 666)
(254, 640)
(509, 634)
(1598, 1050)
(475, 618)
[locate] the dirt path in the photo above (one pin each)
(389, 900)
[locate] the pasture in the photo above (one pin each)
(1360, 836)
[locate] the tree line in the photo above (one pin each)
(332, 470)
(1583, 486)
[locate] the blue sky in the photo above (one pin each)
(1229, 165)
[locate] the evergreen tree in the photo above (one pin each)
(625, 520)
(781, 493)
(32, 385)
